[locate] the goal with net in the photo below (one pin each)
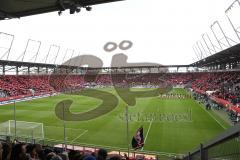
(22, 129)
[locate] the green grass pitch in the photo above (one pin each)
(161, 135)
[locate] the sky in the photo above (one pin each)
(162, 31)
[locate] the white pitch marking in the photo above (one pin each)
(147, 132)
(79, 136)
(213, 118)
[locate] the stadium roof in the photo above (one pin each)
(20, 8)
(230, 55)
(31, 64)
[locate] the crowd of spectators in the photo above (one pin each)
(225, 85)
(23, 151)
(24, 85)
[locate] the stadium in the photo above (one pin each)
(80, 109)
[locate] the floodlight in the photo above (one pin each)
(88, 8)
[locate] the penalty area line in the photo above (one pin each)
(79, 136)
(150, 125)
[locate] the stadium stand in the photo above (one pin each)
(224, 86)
(16, 87)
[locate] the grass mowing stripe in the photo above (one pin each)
(164, 134)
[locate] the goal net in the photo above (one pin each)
(23, 129)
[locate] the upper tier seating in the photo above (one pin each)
(226, 85)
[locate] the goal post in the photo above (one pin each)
(23, 129)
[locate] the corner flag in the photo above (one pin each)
(138, 139)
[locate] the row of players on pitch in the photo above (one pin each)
(175, 96)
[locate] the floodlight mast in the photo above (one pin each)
(57, 54)
(224, 35)
(205, 52)
(200, 51)
(206, 44)
(10, 47)
(64, 57)
(230, 21)
(53, 45)
(35, 56)
(214, 47)
(40, 43)
(25, 50)
(196, 53)
(214, 34)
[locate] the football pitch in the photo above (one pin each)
(170, 125)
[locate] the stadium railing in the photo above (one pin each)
(224, 146)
